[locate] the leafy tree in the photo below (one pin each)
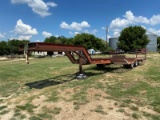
(4, 49)
(69, 41)
(10, 47)
(57, 40)
(61, 40)
(86, 40)
(89, 41)
(14, 45)
(133, 37)
(51, 39)
(158, 42)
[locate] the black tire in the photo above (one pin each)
(131, 65)
(136, 63)
(100, 65)
(125, 66)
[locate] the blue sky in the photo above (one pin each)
(37, 19)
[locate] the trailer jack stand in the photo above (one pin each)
(80, 75)
(27, 59)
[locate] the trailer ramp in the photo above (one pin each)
(125, 61)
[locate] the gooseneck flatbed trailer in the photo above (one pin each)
(84, 58)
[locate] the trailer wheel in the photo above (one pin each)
(125, 66)
(136, 63)
(100, 65)
(131, 65)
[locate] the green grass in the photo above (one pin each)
(3, 107)
(53, 96)
(76, 107)
(56, 110)
(80, 98)
(4, 112)
(35, 118)
(134, 108)
(27, 107)
(51, 77)
(15, 75)
(151, 116)
(135, 115)
(100, 109)
(120, 110)
(45, 115)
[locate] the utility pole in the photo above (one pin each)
(106, 36)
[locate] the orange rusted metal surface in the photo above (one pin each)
(70, 51)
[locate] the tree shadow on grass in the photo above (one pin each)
(91, 71)
(107, 69)
(51, 81)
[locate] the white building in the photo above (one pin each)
(47, 53)
(91, 51)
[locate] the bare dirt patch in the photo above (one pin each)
(88, 111)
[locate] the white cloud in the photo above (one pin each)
(103, 28)
(84, 24)
(21, 1)
(21, 37)
(37, 40)
(76, 33)
(75, 25)
(131, 19)
(155, 20)
(24, 37)
(38, 6)
(46, 34)
(94, 31)
(108, 36)
(143, 27)
(157, 32)
(129, 15)
(116, 32)
(52, 4)
(86, 31)
(2, 35)
(119, 23)
(24, 31)
(73, 33)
